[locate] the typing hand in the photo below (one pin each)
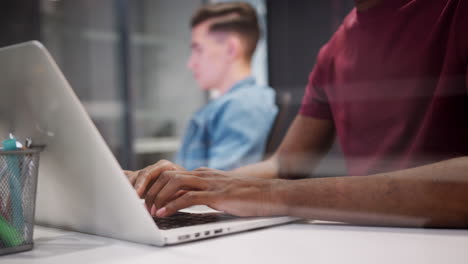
(241, 196)
(144, 178)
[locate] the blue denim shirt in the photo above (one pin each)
(230, 131)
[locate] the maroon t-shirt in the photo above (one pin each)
(394, 80)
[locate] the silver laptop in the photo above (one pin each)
(81, 186)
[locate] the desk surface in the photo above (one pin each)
(293, 243)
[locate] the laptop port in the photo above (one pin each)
(207, 233)
(184, 237)
(218, 231)
(197, 234)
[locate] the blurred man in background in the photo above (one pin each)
(231, 130)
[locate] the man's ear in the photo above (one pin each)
(234, 47)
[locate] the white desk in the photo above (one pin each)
(288, 244)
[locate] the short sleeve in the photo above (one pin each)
(315, 101)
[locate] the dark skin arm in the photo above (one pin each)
(435, 195)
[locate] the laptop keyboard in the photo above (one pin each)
(181, 219)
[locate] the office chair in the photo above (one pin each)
(279, 128)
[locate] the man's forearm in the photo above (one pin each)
(267, 169)
(281, 165)
(432, 195)
(307, 141)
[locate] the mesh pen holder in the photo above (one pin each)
(18, 184)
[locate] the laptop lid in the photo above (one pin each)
(81, 185)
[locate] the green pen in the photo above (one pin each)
(15, 184)
(8, 234)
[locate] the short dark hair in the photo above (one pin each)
(232, 17)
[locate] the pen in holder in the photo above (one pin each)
(18, 183)
(15, 185)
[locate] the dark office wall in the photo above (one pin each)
(296, 31)
(19, 21)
